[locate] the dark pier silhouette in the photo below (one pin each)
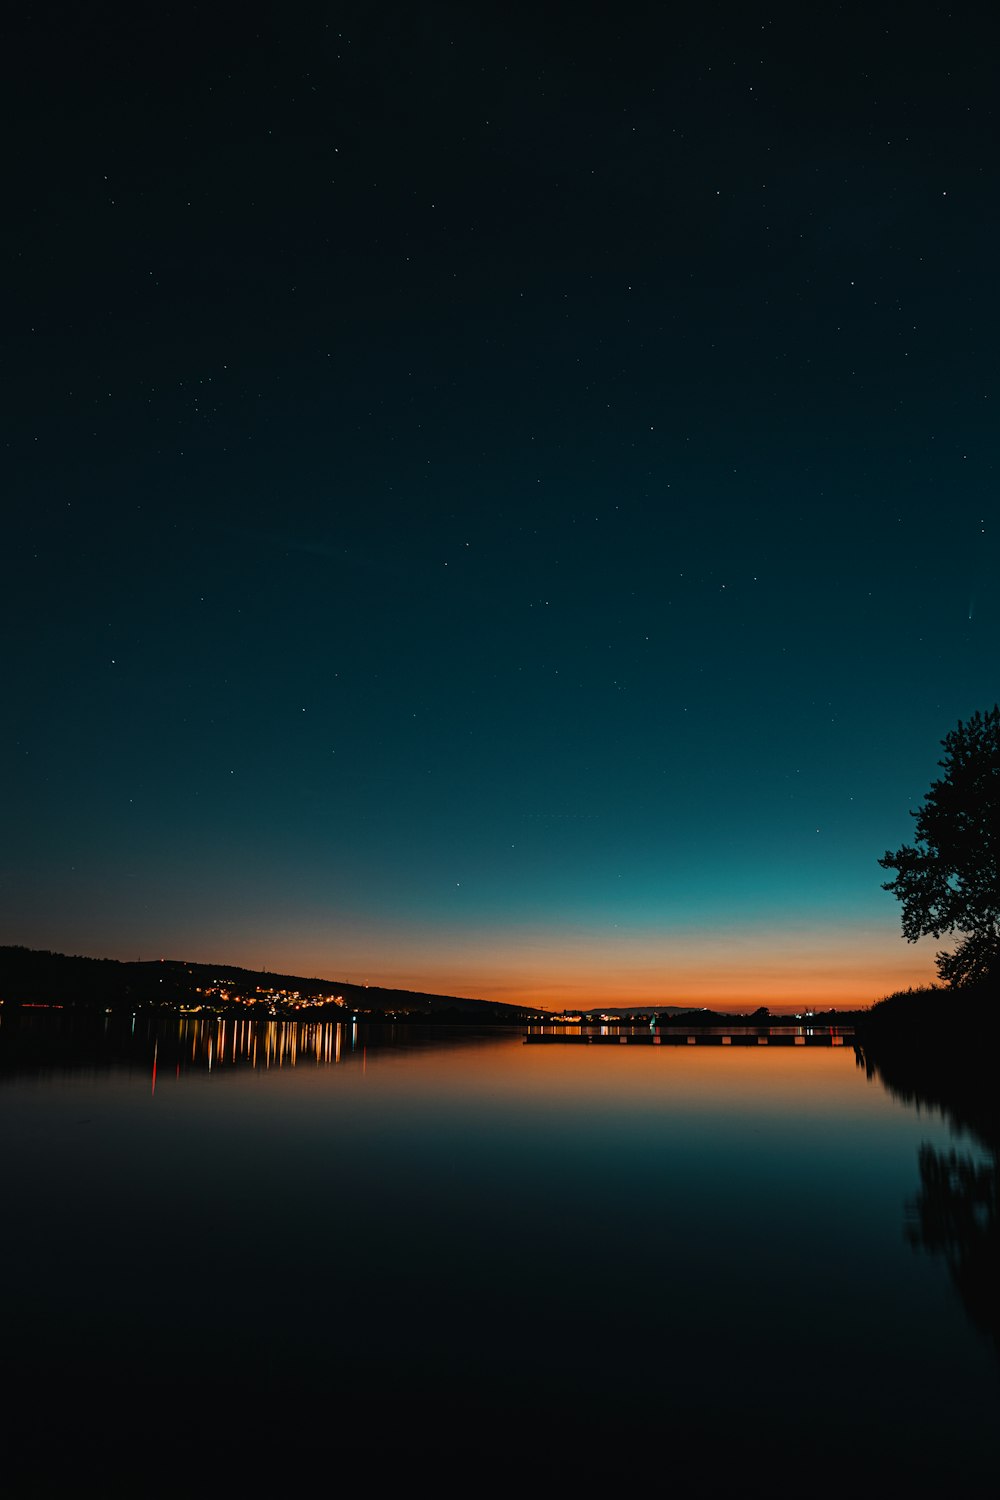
(681, 1038)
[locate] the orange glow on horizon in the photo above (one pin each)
(740, 971)
(738, 968)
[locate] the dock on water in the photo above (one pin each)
(679, 1037)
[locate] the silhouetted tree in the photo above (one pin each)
(949, 881)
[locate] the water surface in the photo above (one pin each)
(673, 1261)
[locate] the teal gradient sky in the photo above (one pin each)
(499, 506)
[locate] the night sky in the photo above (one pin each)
(501, 499)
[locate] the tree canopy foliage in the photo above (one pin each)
(948, 881)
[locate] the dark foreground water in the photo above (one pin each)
(234, 1252)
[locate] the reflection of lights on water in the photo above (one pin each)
(216, 1043)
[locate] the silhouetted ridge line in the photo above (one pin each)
(39, 977)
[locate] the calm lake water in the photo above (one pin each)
(416, 1250)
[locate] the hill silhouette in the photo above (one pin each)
(31, 976)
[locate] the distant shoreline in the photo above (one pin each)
(36, 977)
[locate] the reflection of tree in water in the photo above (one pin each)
(955, 1215)
(946, 1061)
